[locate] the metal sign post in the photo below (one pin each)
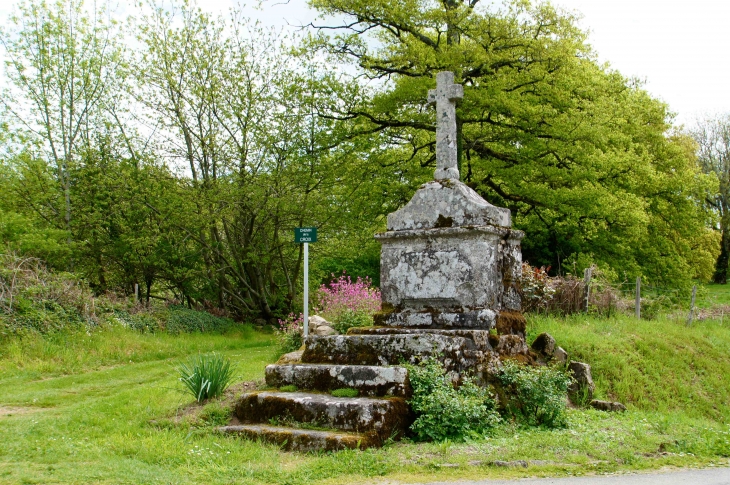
(305, 235)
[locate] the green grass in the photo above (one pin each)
(101, 408)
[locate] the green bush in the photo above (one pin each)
(445, 412)
(535, 396)
(290, 341)
(142, 322)
(206, 376)
(352, 318)
(185, 320)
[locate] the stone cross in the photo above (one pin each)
(444, 97)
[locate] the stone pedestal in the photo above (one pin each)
(448, 260)
(449, 271)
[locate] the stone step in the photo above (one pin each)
(370, 380)
(479, 337)
(297, 439)
(383, 418)
(457, 353)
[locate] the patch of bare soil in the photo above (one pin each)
(16, 410)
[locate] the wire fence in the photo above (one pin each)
(595, 294)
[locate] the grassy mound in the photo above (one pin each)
(659, 365)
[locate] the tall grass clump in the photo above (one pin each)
(444, 411)
(347, 303)
(206, 376)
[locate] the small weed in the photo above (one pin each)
(289, 388)
(216, 414)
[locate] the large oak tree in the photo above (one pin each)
(584, 158)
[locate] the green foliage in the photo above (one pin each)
(445, 412)
(60, 385)
(185, 320)
(351, 318)
(289, 388)
(206, 376)
(216, 414)
(535, 396)
(32, 298)
(531, 83)
(141, 322)
(345, 392)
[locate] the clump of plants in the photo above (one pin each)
(347, 303)
(33, 298)
(206, 375)
(444, 411)
(345, 392)
(534, 396)
(185, 320)
(289, 333)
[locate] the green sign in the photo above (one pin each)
(305, 234)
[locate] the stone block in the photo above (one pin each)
(479, 337)
(458, 354)
(447, 203)
(379, 417)
(511, 345)
(582, 387)
(295, 439)
(324, 330)
(560, 356)
(368, 380)
(291, 357)
(544, 344)
(608, 406)
(432, 318)
(456, 268)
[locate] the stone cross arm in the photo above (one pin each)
(452, 92)
(445, 96)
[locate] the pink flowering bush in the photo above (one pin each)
(289, 332)
(348, 303)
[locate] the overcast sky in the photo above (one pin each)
(680, 48)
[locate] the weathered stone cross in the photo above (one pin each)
(444, 97)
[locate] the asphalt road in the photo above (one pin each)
(711, 476)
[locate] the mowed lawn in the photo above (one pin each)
(106, 407)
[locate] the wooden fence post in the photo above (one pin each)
(587, 282)
(638, 297)
(692, 306)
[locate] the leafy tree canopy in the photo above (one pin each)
(584, 158)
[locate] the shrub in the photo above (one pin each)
(185, 320)
(536, 288)
(33, 298)
(344, 302)
(206, 376)
(444, 411)
(289, 333)
(142, 322)
(350, 318)
(535, 396)
(345, 392)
